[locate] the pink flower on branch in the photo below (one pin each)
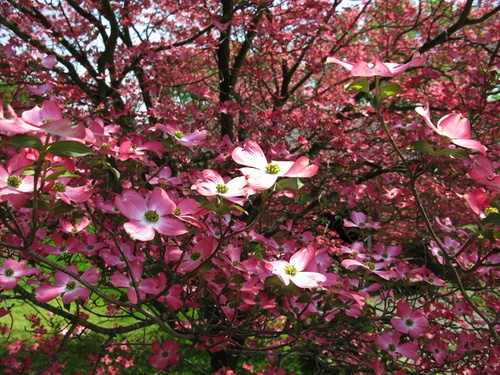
(390, 342)
(261, 174)
(149, 215)
(212, 184)
(409, 321)
(378, 68)
(47, 119)
(70, 288)
(359, 220)
(12, 270)
(294, 269)
(455, 127)
(165, 355)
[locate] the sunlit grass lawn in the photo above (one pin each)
(76, 355)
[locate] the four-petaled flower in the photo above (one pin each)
(294, 269)
(378, 68)
(165, 355)
(261, 174)
(70, 288)
(212, 184)
(390, 342)
(409, 321)
(12, 270)
(149, 215)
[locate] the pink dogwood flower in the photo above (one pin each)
(261, 174)
(70, 288)
(165, 355)
(212, 184)
(150, 215)
(294, 269)
(410, 321)
(190, 140)
(49, 119)
(390, 342)
(11, 270)
(378, 68)
(358, 220)
(455, 127)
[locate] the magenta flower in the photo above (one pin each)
(262, 175)
(378, 68)
(12, 270)
(408, 321)
(294, 269)
(49, 119)
(379, 268)
(455, 127)
(151, 285)
(149, 215)
(390, 342)
(190, 140)
(212, 184)
(70, 288)
(165, 355)
(358, 220)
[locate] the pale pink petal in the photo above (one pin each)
(38, 116)
(169, 227)
(302, 168)
(454, 125)
(308, 279)
(344, 64)
(259, 179)
(138, 231)
(425, 113)
(63, 128)
(131, 204)
(368, 69)
(471, 145)
(250, 155)
(160, 202)
(302, 258)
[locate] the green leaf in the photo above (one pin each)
(423, 146)
(26, 141)
(456, 153)
(68, 148)
(292, 183)
(388, 89)
(492, 218)
(360, 85)
(63, 172)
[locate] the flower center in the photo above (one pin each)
(391, 347)
(272, 168)
(152, 216)
(14, 181)
(291, 270)
(9, 272)
(409, 322)
(59, 187)
(195, 256)
(178, 134)
(177, 212)
(222, 188)
(71, 285)
(47, 120)
(370, 65)
(370, 265)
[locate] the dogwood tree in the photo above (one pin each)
(254, 187)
